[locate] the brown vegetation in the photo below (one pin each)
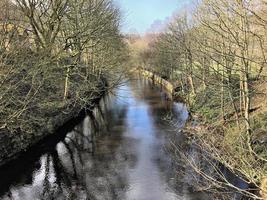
(218, 55)
(56, 58)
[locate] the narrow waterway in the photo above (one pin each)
(120, 155)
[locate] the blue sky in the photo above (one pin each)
(139, 15)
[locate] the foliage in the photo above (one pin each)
(56, 57)
(220, 54)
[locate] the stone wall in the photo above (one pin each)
(157, 79)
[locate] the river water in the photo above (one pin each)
(120, 155)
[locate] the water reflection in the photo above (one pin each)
(117, 152)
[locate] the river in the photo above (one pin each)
(121, 155)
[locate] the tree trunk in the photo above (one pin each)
(66, 88)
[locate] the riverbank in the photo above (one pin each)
(15, 142)
(226, 139)
(221, 138)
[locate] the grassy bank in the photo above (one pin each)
(225, 140)
(222, 139)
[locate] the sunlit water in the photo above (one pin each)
(129, 160)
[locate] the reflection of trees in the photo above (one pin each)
(71, 170)
(160, 106)
(179, 148)
(102, 166)
(18, 173)
(154, 96)
(200, 173)
(163, 111)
